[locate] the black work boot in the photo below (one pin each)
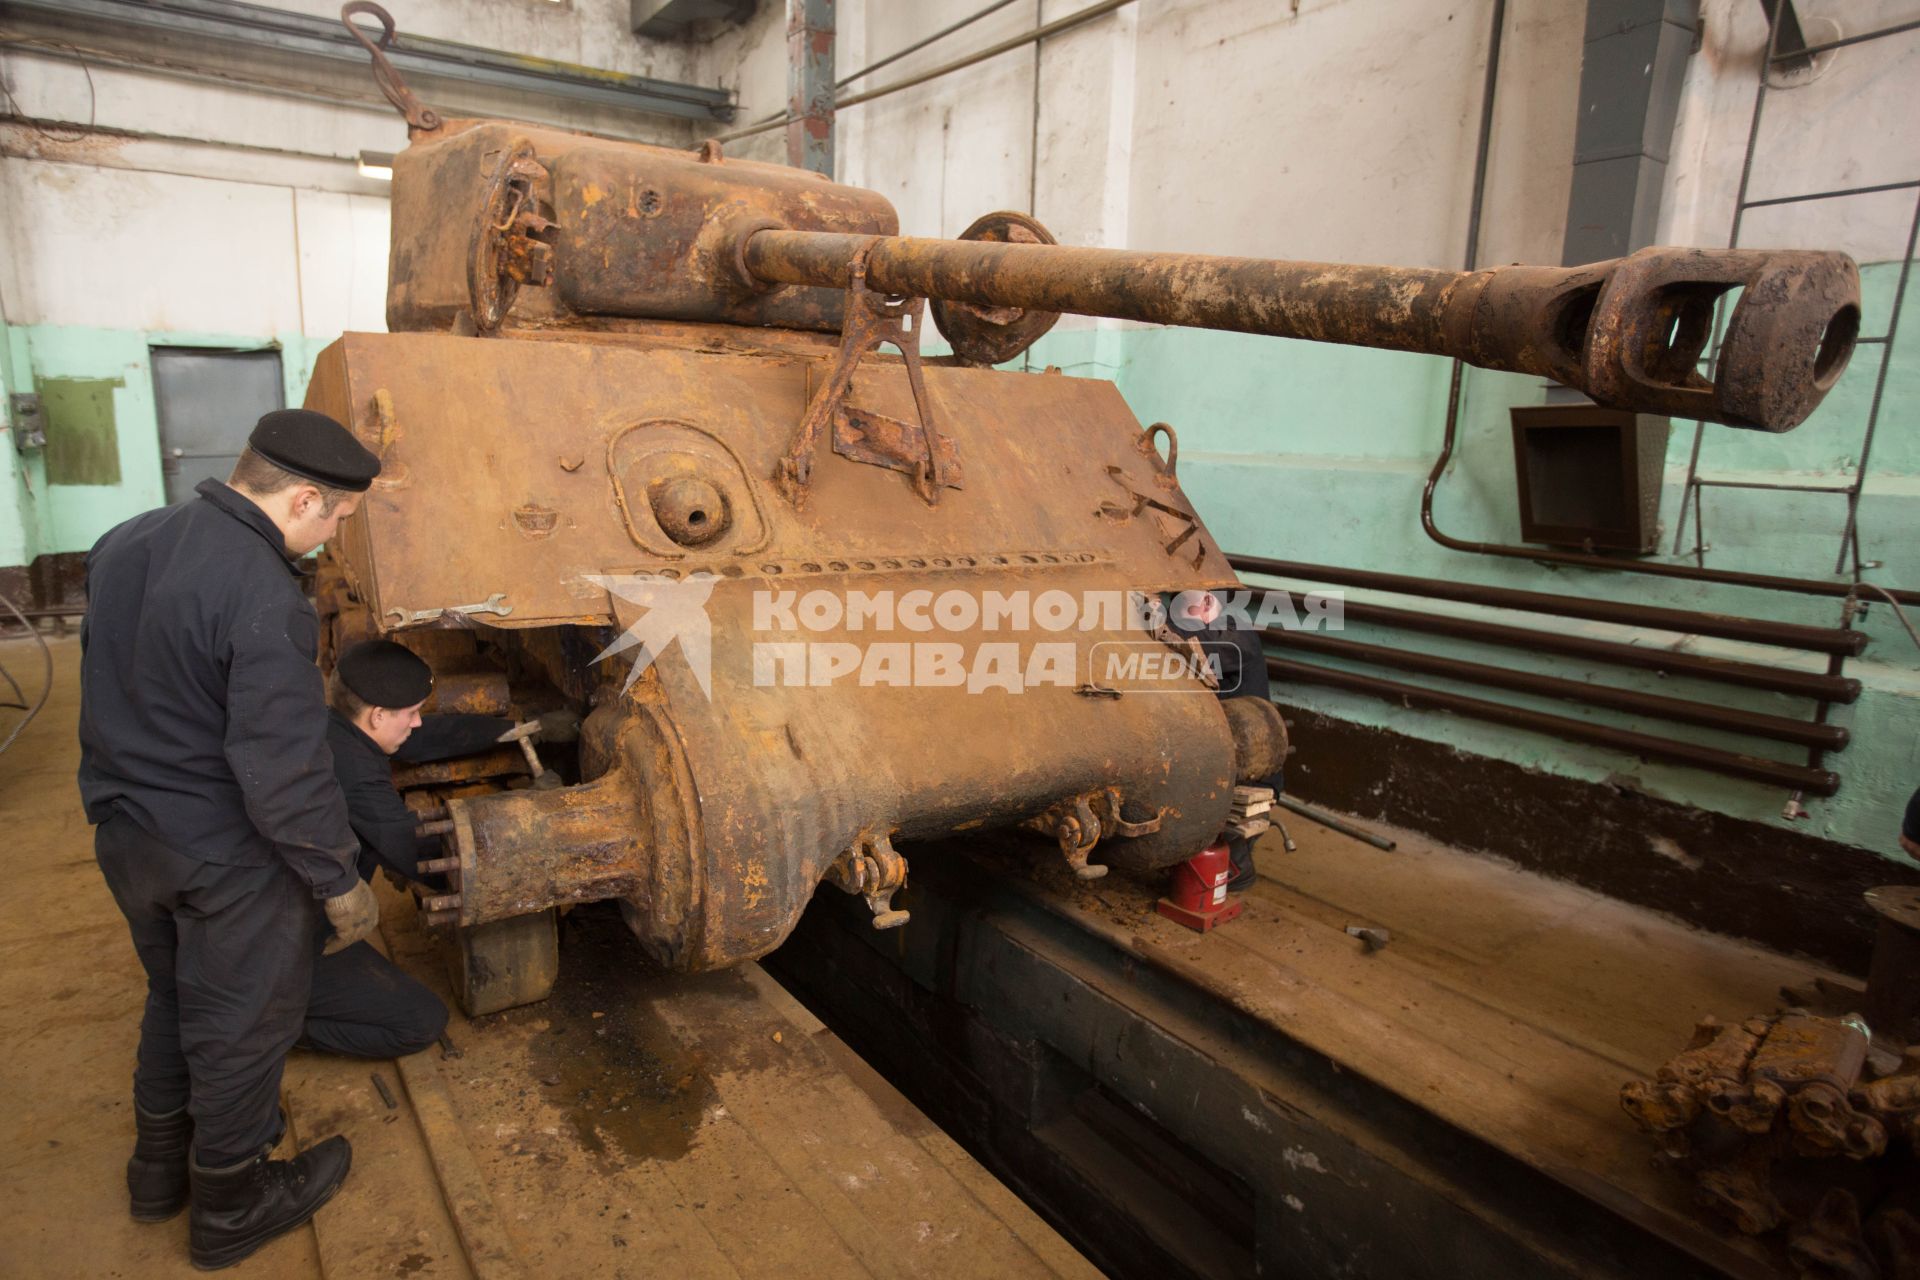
(157, 1174)
(242, 1206)
(1240, 852)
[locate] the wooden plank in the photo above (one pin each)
(489, 1250)
(900, 1211)
(1598, 971)
(1522, 1082)
(646, 1118)
(389, 1218)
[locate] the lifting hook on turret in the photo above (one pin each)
(420, 117)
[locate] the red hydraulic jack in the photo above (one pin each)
(1197, 898)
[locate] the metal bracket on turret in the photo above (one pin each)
(512, 242)
(872, 319)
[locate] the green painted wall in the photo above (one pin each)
(63, 498)
(17, 507)
(1319, 454)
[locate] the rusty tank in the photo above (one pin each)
(614, 366)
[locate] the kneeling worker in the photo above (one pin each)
(362, 1004)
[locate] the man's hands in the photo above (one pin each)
(354, 915)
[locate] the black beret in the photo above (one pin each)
(314, 447)
(383, 674)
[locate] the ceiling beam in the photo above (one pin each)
(232, 22)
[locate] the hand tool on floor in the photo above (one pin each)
(1332, 823)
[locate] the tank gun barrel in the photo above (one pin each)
(1630, 332)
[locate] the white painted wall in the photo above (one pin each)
(226, 208)
(1329, 129)
(124, 249)
(257, 224)
(1866, 90)
(1341, 130)
(226, 114)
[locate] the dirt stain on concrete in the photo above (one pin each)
(629, 1089)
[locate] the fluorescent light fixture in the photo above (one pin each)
(377, 165)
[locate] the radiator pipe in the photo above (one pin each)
(1821, 782)
(1750, 675)
(1786, 635)
(1828, 737)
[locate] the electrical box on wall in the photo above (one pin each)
(1589, 477)
(26, 420)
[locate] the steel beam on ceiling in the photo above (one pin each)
(260, 26)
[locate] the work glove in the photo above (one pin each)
(354, 915)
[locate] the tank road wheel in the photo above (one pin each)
(505, 963)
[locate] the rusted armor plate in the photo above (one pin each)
(535, 460)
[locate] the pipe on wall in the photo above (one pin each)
(1053, 28)
(1804, 733)
(1749, 675)
(1787, 635)
(1820, 782)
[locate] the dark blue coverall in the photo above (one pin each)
(218, 824)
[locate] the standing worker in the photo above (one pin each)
(219, 826)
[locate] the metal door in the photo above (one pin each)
(209, 400)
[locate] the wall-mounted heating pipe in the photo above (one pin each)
(1804, 733)
(1821, 782)
(1786, 635)
(1748, 675)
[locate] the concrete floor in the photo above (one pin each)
(636, 1123)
